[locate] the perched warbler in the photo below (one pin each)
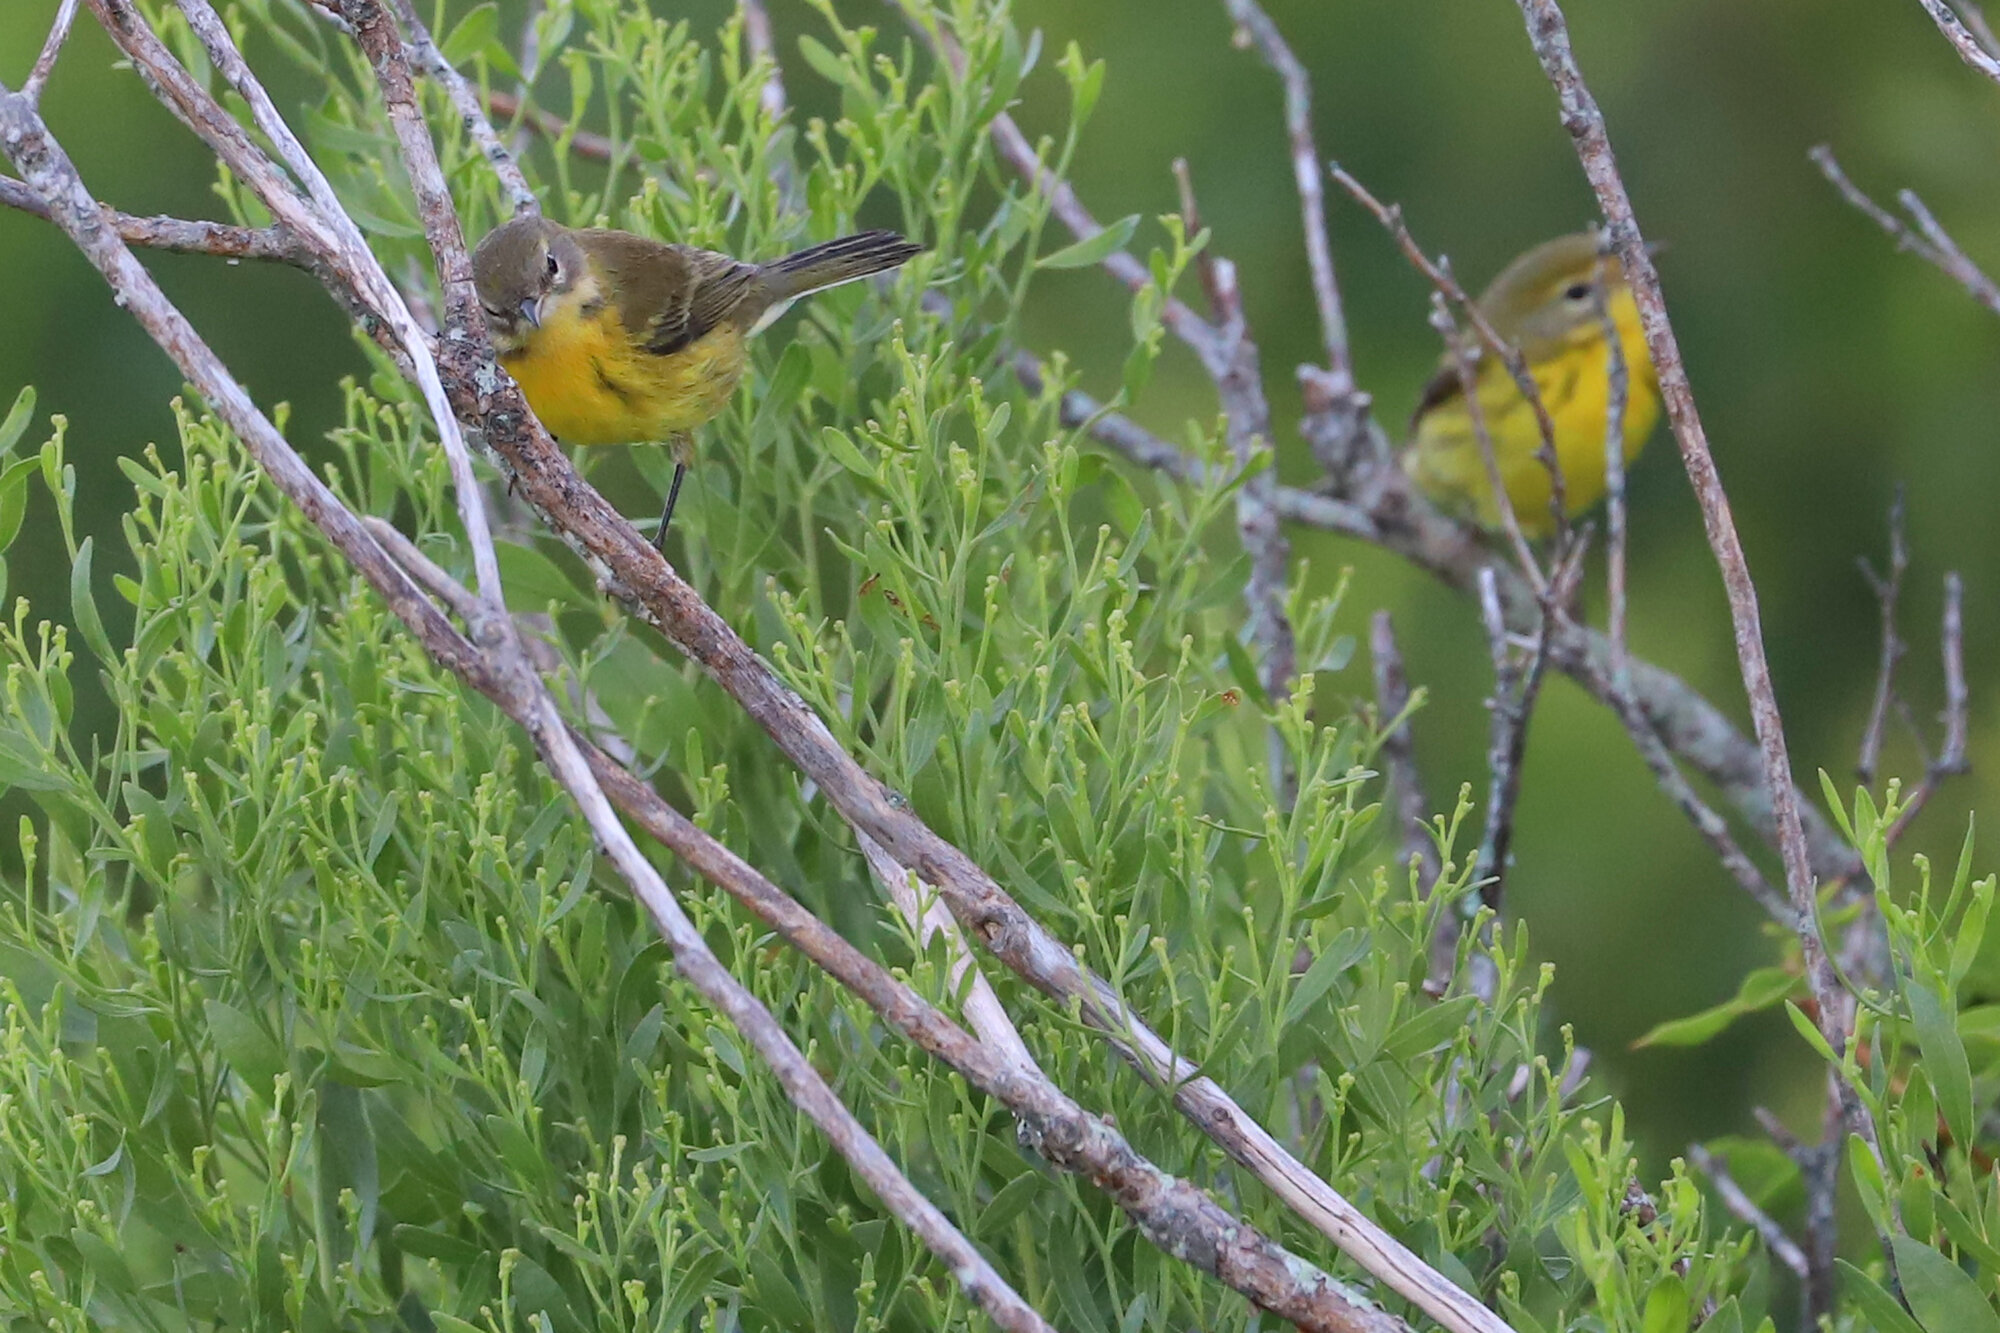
(1545, 304)
(618, 339)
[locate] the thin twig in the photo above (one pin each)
(52, 46)
(1782, 1247)
(1888, 588)
(1466, 368)
(1952, 757)
(185, 236)
(582, 143)
(1254, 26)
(1232, 362)
(1398, 757)
(1969, 47)
(1714, 829)
(1516, 685)
(1928, 241)
(471, 114)
(1440, 275)
(1620, 393)
(1548, 32)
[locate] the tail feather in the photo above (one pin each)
(835, 262)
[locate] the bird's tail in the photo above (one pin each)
(835, 262)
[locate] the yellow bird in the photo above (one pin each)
(1545, 304)
(620, 339)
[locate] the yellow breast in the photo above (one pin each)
(590, 384)
(1574, 384)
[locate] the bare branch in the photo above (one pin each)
(1969, 47)
(1928, 241)
(45, 63)
(1782, 1247)
(1888, 588)
(1549, 34)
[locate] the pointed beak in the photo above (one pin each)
(531, 310)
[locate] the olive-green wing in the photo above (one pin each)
(670, 295)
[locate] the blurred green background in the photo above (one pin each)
(1828, 368)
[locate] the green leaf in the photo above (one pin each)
(845, 453)
(480, 25)
(14, 498)
(828, 65)
(1944, 1059)
(1666, 1306)
(18, 416)
(1964, 1233)
(1429, 1029)
(1868, 1182)
(788, 381)
(1008, 1202)
(1884, 1313)
(1810, 1031)
(532, 580)
(1340, 953)
(1760, 989)
(245, 1046)
(535, 1292)
(1942, 1296)
(428, 1244)
(1092, 249)
(83, 606)
(1728, 1318)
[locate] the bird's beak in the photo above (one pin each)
(531, 310)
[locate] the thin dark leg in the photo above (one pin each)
(673, 497)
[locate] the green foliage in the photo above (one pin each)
(317, 1012)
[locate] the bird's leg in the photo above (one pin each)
(683, 447)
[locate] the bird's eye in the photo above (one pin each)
(1577, 291)
(493, 311)
(555, 268)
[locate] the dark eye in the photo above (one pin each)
(555, 269)
(1576, 291)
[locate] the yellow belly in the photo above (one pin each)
(590, 386)
(1444, 457)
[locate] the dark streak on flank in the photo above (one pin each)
(610, 386)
